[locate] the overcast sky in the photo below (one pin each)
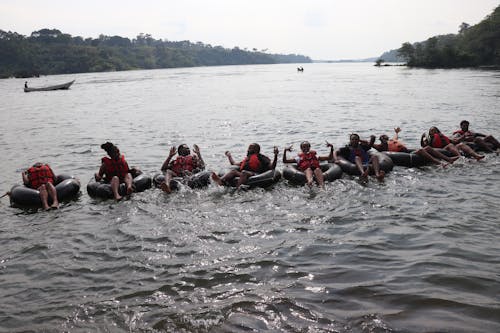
(321, 29)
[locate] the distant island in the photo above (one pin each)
(49, 51)
(473, 46)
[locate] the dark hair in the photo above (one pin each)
(109, 147)
(353, 134)
(383, 136)
(464, 122)
(182, 148)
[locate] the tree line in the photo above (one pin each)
(49, 51)
(473, 46)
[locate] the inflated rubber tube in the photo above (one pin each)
(103, 190)
(67, 188)
(263, 180)
(198, 180)
(409, 160)
(350, 168)
(295, 176)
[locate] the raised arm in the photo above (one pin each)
(286, 160)
(275, 159)
(201, 163)
(230, 158)
(396, 133)
(330, 156)
(171, 154)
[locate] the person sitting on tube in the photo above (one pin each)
(357, 152)
(41, 177)
(436, 139)
(184, 165)
(480, 141)
(254, 163)
(308, 162)
(427, 152)
(115, 170)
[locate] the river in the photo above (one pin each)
(416, 253)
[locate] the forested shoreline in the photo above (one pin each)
(49, 51)
(473, 46)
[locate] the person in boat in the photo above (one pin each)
(41, 177)
(26, 84)
(115, 170)
(186, 164)
(436, 139)
(357, 152)
(480, 141)
(254, 163)
(427, 152)
(308, 162)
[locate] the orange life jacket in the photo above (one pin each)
(254, 163)
(396, 145)
(182, 164)
(40, 174)
(308, 160)
(113, 168)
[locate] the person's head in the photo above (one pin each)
(434, 130)
(111, 149)
(305, 146)
(354, 140)
(384, 138)
(183, 150)
(254, 148)
(464, 125)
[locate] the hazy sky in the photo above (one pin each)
(321, 29)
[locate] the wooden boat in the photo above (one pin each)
(62, 86)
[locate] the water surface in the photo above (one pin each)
(416, 253)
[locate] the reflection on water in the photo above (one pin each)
(416, 253)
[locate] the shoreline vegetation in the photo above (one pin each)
(475, 46)
(49, 51)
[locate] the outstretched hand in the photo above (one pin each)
(227, 153)
(172, 152)
(328, 144)
(289, 148)
(276, 150)
(397, 129)
(196, 149)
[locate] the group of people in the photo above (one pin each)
(114, 168)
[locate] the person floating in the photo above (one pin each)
(308, 162)
(480, 141)
(41, 177)
(426, 152)
(115, 170)
(357, 152)
(184, 165)
(436, 139)
(26, 84)
(254, 163)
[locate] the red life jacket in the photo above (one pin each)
(251, 163)
(182, 164)
(39, 175)
(113, 168)
(308, 160)
(396, 145)
(439, 141)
